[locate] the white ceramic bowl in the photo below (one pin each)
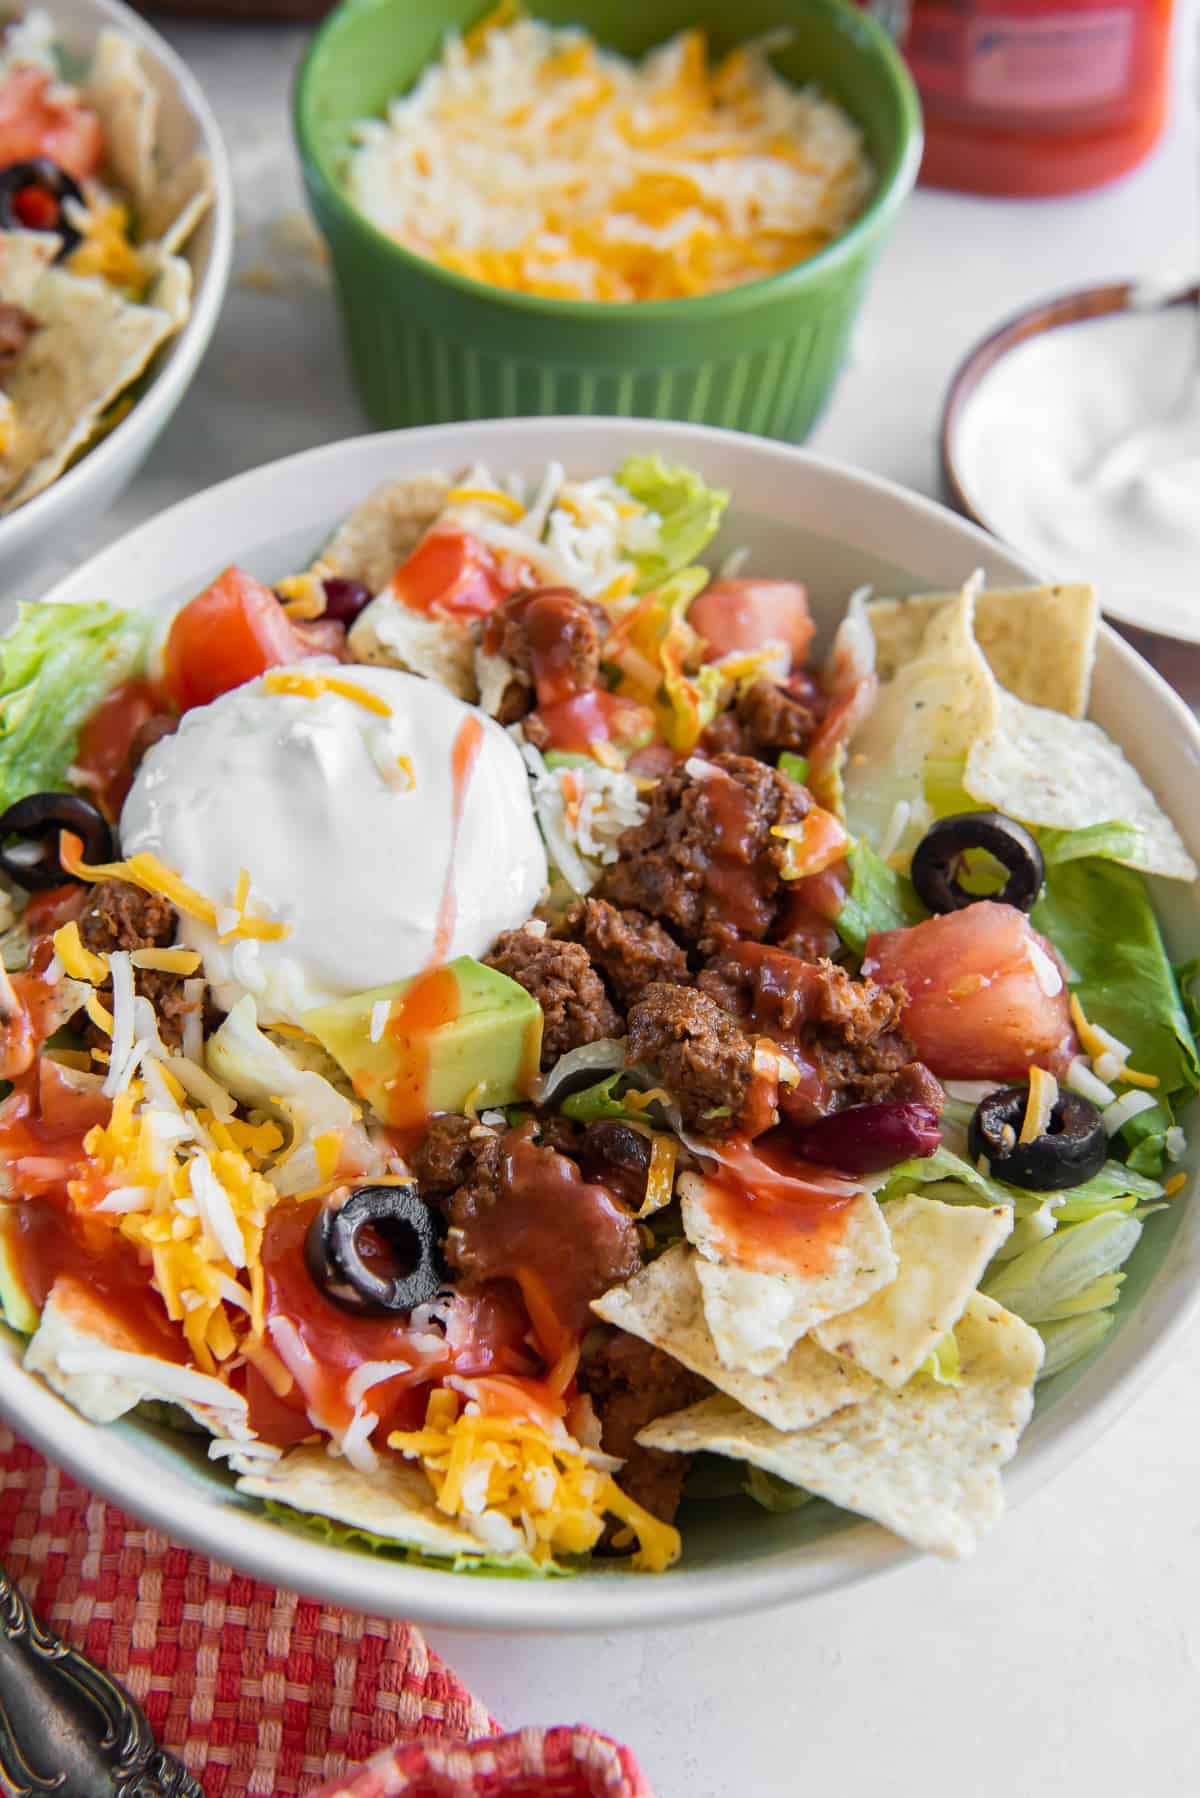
(45, 526)
(798, 515)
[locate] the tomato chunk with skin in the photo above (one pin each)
(39, 117)
(233, 631)
(449, 574)
(736, 615)
(978, 1006)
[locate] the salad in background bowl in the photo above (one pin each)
(553, 1066)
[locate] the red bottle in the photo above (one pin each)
(1036, 97)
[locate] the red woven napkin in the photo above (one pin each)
(264, 1694)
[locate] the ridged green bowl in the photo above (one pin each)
(428, 346)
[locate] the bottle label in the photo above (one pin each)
(1063, 59)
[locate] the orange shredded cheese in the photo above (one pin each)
(298, 684)
(146, 871)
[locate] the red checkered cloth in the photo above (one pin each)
(264, 1694)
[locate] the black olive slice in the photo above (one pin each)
(338, 1254)
(1072, 1149)
(31, 199)
(37, 821)
(937, 861)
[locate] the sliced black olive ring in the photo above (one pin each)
(335, 1261)
(37, 822)
(937, 861)
(46, 178)
(1072, 1149)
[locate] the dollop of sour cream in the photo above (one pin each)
(1081, 446)
(385, 839)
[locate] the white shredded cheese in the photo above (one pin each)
(165, 1377)
(371, 1373)
(1083, 1080)
(120, 1064)
(1048, 976)
(380, 1012)
(1176, 1143)
(216, 1211)
(1129, 1105)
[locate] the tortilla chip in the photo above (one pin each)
(924, 1462)
(1040, 642)
(756, 1317)
(1066, 773)
(119, 88)
(940, 702)
(24, 258)
(395, 636)
(383, 530)
(943, 1250)
(93, 1361)
(396, 1501)
(91, 345)
(663, 1305)
(178, 204)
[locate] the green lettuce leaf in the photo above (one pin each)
(1040, 1284)
(689, 509)
(944, 1365)
(879, 898)
(56, 665)
(1117, 1187)
(1099, 918)
(490, 1565)
(794, 766)
(772, 1493)
(1106, 842)
(1071, 1339)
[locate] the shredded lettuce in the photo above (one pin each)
(56, 665)
(1105, 842)
(1099, 918)
(1116, 1187)
(879, 898)
(794, 766)
(1049, 1281)
(1071, 1339)
(690, 511)
(490, 1565)
(604, 1100)
(944, 1365)
(772, 1493)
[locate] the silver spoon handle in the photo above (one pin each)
(65, 1727)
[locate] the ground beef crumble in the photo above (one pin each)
(630, 949)
(561, 978)
(701, 1055)
(551, 638)
(767, 717)
(630, 1384)
(122, 917)
(704, 861)
(844, 1033)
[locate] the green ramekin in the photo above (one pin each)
(427, 345)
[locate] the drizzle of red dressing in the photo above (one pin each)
(575, 725)
(772, 1211)
(462, 764)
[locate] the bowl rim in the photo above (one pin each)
(38, 516)
(896, 182)
(1074, 307)
(605, 1601)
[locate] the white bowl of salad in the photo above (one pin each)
(600, 1024)
(116, 233)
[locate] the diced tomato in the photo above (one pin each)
(106, 741)
(41, 117)
(53, 906)
(976, 979)
(733, 615)
(233, 631)
(594, 716)
(450, 574)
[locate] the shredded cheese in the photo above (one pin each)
(529, 158)
(296, 683)
(1039, 1108)
(547, 1487)
(146, 871)
(78, 962)
(486, 496)
(660, 1176)
(1129, 1105)
(1175, 1184)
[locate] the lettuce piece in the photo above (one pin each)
(490, 1565)
(1038, 1284)
(944, 1365)
(880, 898)
(772, 1493)
(794, 766)
(604, 1101)
(1099, 918)
(1071, 1339)
(56, 665)
(1116, 1188)
(689, 509)
(1111, 842)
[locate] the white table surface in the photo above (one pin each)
(1064, 1659)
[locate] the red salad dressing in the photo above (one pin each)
(432, 1001)
(772, 1211)
(573, 726)
(462, 764)
(729, 874)
(449, 574)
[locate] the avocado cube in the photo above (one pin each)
(457, 1036)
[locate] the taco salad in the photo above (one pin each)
(507, 1044)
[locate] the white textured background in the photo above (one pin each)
(1064, 1660)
